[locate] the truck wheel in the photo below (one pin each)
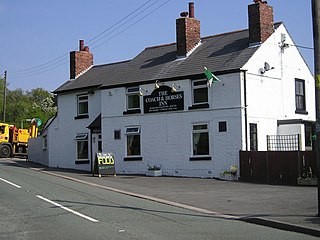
(5, 151)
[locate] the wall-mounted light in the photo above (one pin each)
(174, 87)
(142, 91)
(157, 84)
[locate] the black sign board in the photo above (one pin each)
(163, 99)
(104, 164)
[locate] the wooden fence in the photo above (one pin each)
(275, 167)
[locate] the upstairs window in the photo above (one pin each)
(200, 92)
(83, 108)
(300, 96)
(133, 98)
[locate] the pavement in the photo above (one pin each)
(292, 208)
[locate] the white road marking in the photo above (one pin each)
(6, 181)
(68, 209)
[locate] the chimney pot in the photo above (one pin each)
(191, 9)
(86, 49)
(184, 14)
(81, 45)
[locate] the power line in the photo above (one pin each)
(131, 25)
(48, 66)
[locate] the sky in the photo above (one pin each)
(37, 35)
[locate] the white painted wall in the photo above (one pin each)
(166, 138)
(64, 129)
(36, 153)
(271, 96)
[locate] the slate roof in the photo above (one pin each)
(219, 53)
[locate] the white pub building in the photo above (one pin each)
(157, 109)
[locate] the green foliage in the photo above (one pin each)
(22, 106)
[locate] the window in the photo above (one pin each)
(133, 98)
(200, 139)
(253, 137)
(133, 141)
(222, 126)
(83, 105)
(99, 143)
(82, 146)
(300, 95)
(117, 134)
(308, 136)
(44, 142)
(200, 92)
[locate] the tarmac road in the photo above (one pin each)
(35, 209)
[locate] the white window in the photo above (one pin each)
(82, 146)
(83, 108)
(133, 141)
(44, 142)
(200, 139)
(199, 92)
(133, 98)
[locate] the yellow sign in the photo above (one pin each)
(105, 159)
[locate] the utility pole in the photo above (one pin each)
(316, 31)
(4, 97)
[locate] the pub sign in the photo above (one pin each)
(163, 99)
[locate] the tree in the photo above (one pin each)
(23, 106)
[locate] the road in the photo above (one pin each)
(35, 205)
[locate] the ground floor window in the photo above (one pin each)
(200, 139)
(253, 137)
(82, 146)
(308, 136)
(133, 141)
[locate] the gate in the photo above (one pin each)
(275, 167)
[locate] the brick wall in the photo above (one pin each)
(188, 35)
(79, 62)
(261, 23)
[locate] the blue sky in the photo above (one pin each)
(37, 35)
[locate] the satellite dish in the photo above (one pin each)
(261, 71)
(266, 66)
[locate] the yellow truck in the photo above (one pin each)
(14, 141)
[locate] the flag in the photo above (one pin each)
(210, 77)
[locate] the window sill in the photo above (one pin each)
(199, 106)
(82, 162)
(304, 112)
(127, 159)
(134, 111)
(200, 158)
(81, 116)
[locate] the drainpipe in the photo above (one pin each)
(245, 107)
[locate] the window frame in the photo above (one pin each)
(81, 101)
(253, 133)
(44, 142)
(133, 131)
(133, 91)
(200, 86)
(79, 138)
(201, 131)
(300, 96)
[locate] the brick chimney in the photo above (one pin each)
(187, 32)
(80, 60)
(261, 24)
